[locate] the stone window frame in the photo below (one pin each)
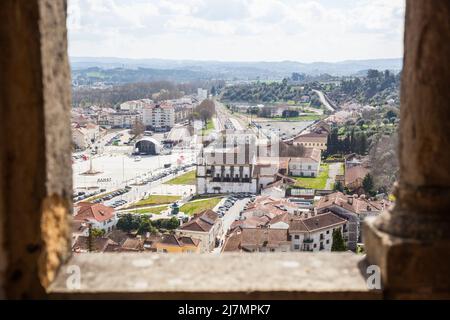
(35, 192)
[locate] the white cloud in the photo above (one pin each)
(309, 30)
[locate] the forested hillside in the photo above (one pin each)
(375, 88)
(262, 92)
(158, 90)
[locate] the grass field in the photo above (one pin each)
(341, 169)
(192, 208)
(209, 128)
(185, 179)
(153, 210)
(318, 183)
(155, 200)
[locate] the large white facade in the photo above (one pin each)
(123, 119)
(318, 238)
(159, 117)
(307, 166)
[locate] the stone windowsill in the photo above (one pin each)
(234, 276)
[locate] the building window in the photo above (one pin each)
(296, 247)
(296, 236)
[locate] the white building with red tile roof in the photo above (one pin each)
(98, 215)
(307, 165)
(315, 233)
(352, 208)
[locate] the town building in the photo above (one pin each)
(124, 120)
(178, 244)
(354, 209)
(80, 138)
(205, 226)
(315, 139)
(135, 105)
(355, 170)
(307, 165)
(184, 108)
(257, 240)
(315, 233)
(84, 136)
(202, 94)
(99, 216)
(159, 117)
(354, 176)
(147, 146)
(227, 168)
(84, 244)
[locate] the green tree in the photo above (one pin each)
(172, 223)
(127, 223)
(338, 186)
(363, 143)
(338, 241)
(97, 233)
(145, 226)
(368, 184)
(205, 110)
(137, 128)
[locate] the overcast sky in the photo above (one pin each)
(237, 30)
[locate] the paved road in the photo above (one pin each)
(223, 114)
(333, 171)
(228, 219)
(324, 100)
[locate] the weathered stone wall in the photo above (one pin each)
(411, 242)
(35, 140)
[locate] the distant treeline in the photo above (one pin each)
(377, 87)
(157, 90)
(262, 92)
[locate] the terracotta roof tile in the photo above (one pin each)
(89, 211)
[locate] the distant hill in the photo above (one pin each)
(161, 69)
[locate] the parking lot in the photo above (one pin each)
(284, 129)
(230, 210)
(123, 180)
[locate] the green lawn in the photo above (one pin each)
(209, 127)
(317, 183)
(155, 200)
(188, 178)
(341, 169)
(153, 210)
(192, 208)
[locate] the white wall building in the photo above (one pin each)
(306, 166)
(135, 105)
(80, 138)
(98, 215)
(123, 119)
(160, 117)
(202, 94)
(227, 169)
(315, 233)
